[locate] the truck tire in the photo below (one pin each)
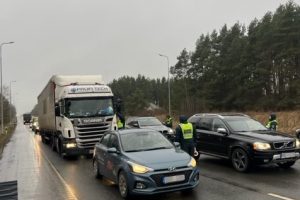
(43, 138)
(53, 143)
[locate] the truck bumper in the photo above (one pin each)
(77, 151)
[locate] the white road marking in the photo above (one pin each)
(71, 193)
(279, 197)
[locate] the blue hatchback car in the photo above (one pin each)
(144, 162)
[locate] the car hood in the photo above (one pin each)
(266, 136)
(157, 128)
(160, 159)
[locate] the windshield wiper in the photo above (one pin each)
(156, 148)
(129, 151)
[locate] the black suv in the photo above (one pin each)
(243, 140)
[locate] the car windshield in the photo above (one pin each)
(149, 121)
(244, 124)
(92, 107)
(144, 141)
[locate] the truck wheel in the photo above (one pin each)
(53, 143)
(286, 165)
(240, 160)
(43, 139)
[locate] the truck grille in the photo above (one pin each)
(284, 145)
(158, 178)
(89, 134)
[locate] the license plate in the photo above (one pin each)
(172, 179)
(288, 155)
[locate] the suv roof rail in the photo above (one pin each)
(221, 114)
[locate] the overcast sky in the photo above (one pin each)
(108, 37)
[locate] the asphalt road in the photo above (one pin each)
(42, 174)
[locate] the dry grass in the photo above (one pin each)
(4, 138)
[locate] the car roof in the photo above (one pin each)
(221, 115)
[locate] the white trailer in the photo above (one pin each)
(74, 113)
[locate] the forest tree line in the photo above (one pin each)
(254, 67)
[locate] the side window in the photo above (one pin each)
(105, 139)
(193, 119)
(205, 124)
(113, 142)
(217, 123)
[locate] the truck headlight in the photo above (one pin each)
(139, 169)
(192, 163)
(297, 143)
(261, 146)
(71, 145)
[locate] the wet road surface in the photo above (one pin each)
(42, 174)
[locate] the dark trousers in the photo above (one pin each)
(188, 147)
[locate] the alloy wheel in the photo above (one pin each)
(240, 160)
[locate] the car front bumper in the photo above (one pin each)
(280, 156)
(154, 183)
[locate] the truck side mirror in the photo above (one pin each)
(57, 110)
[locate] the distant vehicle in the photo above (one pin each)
(35, 125)
(150, 123)
(26, 118)
(74, 113)
(244, 141)
(144, 162)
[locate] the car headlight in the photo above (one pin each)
(170, 131)
(297, 143)
(139, 169)
(261, 146)
(192, 162)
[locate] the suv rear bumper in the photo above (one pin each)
(260, 157)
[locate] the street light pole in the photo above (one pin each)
(2, 111)
(10, 100)
(169, 90)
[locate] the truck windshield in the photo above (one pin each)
(92, 107)
(244, 124)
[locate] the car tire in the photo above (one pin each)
(240, 160)
(96, 170)
(286, 165)
(43, 139)
(123, 185)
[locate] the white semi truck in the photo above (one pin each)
(74, 113)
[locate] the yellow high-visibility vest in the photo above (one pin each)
(187, 131)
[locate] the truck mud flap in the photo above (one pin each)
(9, 190)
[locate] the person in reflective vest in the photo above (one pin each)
(169, 121)
(272, 123)
(185, 133)
(120, 121)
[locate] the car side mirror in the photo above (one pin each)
(112, 150)
(176, 144)
(222, 131)
(136, 125)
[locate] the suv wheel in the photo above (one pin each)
(240, 160)
(286, 165)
